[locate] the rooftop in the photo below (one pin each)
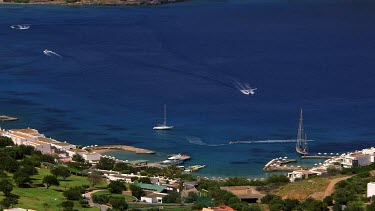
(157, 188)
(28, 131)
(47, 140)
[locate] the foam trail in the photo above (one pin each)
(266, 141)
(198, 141)
(20, 26)
(244, 88)
(51, 53)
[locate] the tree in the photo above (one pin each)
(5, 141)
(8, 202)
(118, 203)
(95, 178)
(172, 198)
(50, 180)
(61, 171)
(74, 193)
(78, 158)
(328, 200)
(116, 187)
(6, 186)
(67, 205)
(192, 197)
(21, 178)
(30, 170)
(145, 180)
(105, 163)
(136, 191)
(100, 199)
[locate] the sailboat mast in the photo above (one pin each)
(165, 114)
(305, 145)
(300, 131)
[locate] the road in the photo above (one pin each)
(92, 204)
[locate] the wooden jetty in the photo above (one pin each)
(4, 118)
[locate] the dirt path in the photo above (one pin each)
(329, 189)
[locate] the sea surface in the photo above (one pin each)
(120, 65)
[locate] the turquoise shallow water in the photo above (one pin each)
(121, 64)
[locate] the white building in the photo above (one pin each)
(370, 189)
(300, 174)
(154, 198)
(355, 160)
(63, 146)
(19, 138)
(72, 152)
(92, 156)
(45, 148)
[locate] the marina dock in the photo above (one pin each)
(278, 164)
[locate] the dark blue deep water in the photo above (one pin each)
(121, 64)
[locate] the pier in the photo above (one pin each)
(317, 156)
(4, 118)
(277, 164)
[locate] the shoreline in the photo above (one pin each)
(99, 3)
(113, 148)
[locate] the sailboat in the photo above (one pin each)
(301, 146)
(163, 126)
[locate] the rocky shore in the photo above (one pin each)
(93, 2)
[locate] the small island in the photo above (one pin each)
(4, 118)
(93, 2)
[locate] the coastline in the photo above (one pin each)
(99, 2)
(113, 148)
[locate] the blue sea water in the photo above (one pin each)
(120, 66)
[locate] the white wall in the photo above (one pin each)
(370, 189)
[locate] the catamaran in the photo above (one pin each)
(301, 146)
(163, 126)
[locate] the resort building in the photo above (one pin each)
(18, 137)
(63, 146)
(370, 189)
(355, 160)
(153, 198)
(72, 152)
(152, 187)
(45, 148)
(220, 208)
(91, 157)
(300, 174)
(245, 193)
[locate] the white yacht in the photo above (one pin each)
(163, 126)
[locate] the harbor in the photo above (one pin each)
(109, 148)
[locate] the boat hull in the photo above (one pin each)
(162, 128)
(301, 151)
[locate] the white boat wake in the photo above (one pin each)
(198, 141)
(245, 88)
(20, 27)
(51, 53)
(266, 141)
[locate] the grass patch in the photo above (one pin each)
(304, 188)
(36, 198)
(106, 192)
